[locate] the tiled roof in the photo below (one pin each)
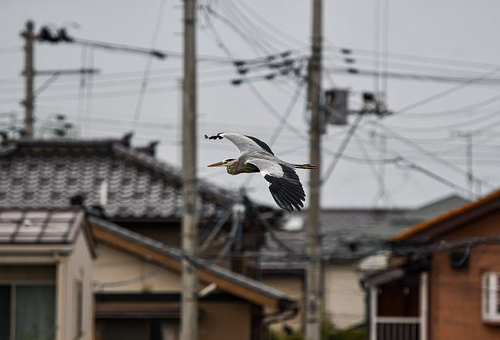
(347, 234)
(133, 183)
(39, 225)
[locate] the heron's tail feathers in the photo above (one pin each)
(305, 166)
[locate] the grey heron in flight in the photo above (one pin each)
(257, 156)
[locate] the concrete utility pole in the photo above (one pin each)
(313, 310)
(29, 102)
(189, 320)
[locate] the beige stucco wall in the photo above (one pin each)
(131, 273)
(344, 297)
(77, 266)
(293, 286)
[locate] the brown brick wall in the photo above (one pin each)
(455, 309)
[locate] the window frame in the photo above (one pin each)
(490, 306)
(79, 301)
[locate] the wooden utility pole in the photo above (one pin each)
(313, 310)
(189, 319)
(29, 102)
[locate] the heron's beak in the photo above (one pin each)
(216, 165)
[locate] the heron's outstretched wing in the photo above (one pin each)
(243, 143)
(284, 184)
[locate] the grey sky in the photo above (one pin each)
(449, 30)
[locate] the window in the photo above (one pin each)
(5, 295)
(27, 311)
(491, 297)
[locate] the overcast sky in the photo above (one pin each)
(446, 51)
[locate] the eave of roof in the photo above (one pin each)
(419, 228)
(231, 282)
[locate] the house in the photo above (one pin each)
(138, 288)
(347, 237)
(46, 257)
(444, 278)
(135, 200)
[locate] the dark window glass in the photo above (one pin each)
(5, 312)
(35, 312)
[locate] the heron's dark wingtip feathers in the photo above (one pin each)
(287, 192)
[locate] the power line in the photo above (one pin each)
(464, 109)
(147, 68)
(443, 70)
(478, 80)
(251, 42)
(425, 59)
(428, 153)
(269, 24)
(411, 165)
(341, 149)
(251, 28)
(446, 92)
(467, 123)
(379, 175)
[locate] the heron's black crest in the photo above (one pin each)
(217, 136)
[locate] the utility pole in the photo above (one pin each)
(189, 320)
(29, 38)
(313, 283)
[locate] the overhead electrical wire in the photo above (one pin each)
(147, 68)
(341, 149)
(250, 27)
(469, 109)
(466, 123)
(447, 91)
(337, 59)
(292, 40)
(356, 71)
(423, 59)
(379, 175)
(429, 153)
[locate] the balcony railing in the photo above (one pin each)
(397, 328)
